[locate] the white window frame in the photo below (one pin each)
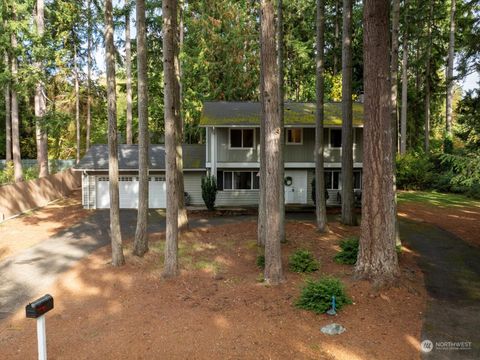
(252, 174)
(293, 143)
(330, 138)
(240, 148)
(331, 179)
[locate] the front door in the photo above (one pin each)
(295, 186)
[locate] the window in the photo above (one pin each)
(335, 138)
(357, 179)
(240, 180)
(294, 136)
(332, 180)
(242, 138)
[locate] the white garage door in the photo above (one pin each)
(157, 193)
(128, 189)
(102, 193)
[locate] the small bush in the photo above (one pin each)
(303, 261)
(317, 295)
(261, 261)
(349, 251)
(209, 191)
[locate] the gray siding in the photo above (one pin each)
(293, 153)
(237, 198)
(193, 186)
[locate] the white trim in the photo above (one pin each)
(294, 143)
(287, 126)
(136, 170)
(240, 148)
(287, 165)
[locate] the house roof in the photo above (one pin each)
(227, 113)
(97, 157)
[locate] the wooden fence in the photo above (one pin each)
(27, 195)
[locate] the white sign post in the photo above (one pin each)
(37, 310)
(41, 338)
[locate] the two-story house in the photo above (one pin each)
(233, 150)
(231, 153)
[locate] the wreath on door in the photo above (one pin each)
(288, 181)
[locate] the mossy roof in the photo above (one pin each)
(227, 113)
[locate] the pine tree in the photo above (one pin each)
(115, 233)
(273, 148)
(140, 246)
(377, 258)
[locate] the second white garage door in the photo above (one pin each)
(128, 191)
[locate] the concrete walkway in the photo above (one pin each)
(26, 274)
(452, 278)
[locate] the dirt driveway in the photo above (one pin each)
(35, 226)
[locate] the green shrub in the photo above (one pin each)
(209, 191)
(302, 261)
(415, 171)
(317, 295)
(261, 261)
(349, 251)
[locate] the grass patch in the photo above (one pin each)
(437, 199)
(207, 265)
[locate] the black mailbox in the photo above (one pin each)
(39, 306)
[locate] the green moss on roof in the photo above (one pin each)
(248, 113)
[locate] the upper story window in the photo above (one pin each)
(335, 140)
(242, 138)
(294, 136)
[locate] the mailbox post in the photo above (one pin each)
(37, 310)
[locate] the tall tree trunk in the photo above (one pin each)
(77, 101)
(17, 158)
(262, 213)
(281, 111)
(273, 148)
(427, 82)
(377, 258)
(117, 248)
(89, 75)
(40, 100)
(172, 116)
(320, 201)
(182, 210)
(348, 209)
(393, 101)
(128, 65)
(140, 245)
(336, 44)
(394, 69)
(8, 115)
(449, 80)
(403, 117)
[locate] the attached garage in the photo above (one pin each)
(95, 180)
